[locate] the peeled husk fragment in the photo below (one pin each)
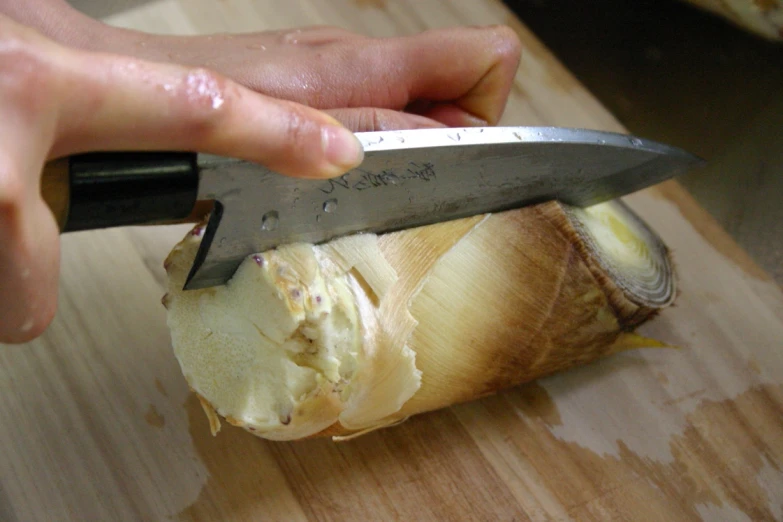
(362, 332)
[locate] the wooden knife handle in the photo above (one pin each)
(110, 189)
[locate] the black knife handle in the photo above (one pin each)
(112, 189)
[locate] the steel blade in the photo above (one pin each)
(419, 177)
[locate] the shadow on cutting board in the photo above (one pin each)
(382, 474)
(395, 474)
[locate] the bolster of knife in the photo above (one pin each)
(111, 189)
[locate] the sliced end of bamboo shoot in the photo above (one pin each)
(362, 332)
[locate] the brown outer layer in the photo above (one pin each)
(553, 307)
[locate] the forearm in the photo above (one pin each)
(59, 21)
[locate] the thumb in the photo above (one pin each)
(121, 103)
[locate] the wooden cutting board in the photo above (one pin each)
(96, 422)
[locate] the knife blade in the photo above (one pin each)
(408, 178)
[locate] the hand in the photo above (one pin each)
(57, 101)
(452, 77)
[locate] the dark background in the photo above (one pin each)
(664, 68)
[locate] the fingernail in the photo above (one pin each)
(474, 121)
(342, 148)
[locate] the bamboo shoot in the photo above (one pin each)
(365, 331)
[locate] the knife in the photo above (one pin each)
(408, 178)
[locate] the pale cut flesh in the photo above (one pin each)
(362, 332)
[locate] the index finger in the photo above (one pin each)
(122, 103)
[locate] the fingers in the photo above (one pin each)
(29, 256)
(370, 119)
(120, 103)
(463, 74)
(56, 101)
(315, 35)
(469, 69)
(473, 68)
(447, 114)
(29, 261)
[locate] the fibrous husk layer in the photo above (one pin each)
(364, 331)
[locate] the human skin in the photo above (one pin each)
(57, 101)
(72, 84)
(457, 76)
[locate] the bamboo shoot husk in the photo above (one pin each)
(365, 331)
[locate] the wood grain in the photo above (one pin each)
(97, 423)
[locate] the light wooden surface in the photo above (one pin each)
(96, 422)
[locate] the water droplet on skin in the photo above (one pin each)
(318, 218)
(270, 220)
(28, 325)
(291, 37)
(330, 205)
(201, 86)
